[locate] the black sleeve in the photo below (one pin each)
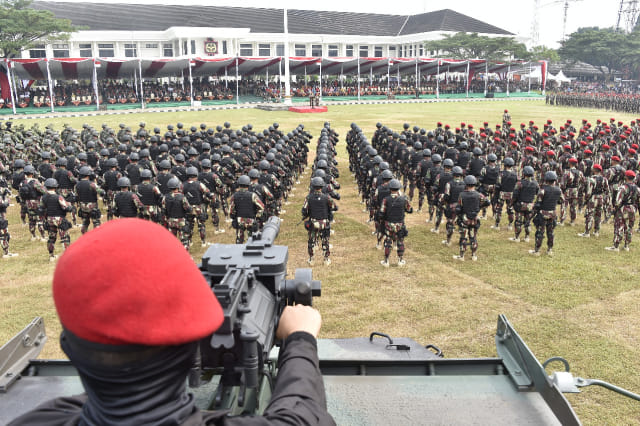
(63, 411)
(299, 396)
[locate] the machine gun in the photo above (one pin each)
(250, 283)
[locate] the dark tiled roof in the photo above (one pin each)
(448, 20)
(144, 17)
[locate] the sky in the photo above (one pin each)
(515, 16)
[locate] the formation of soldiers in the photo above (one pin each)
(320, 204)
(610, 101)
(528, 171)
(178, 178)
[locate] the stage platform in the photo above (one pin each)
(308, 109)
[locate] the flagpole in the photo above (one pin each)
(190, 83)
(358, 60)
(10, 78)
(388, 68)
(508, 72)
(50, 86)
(320, 94)
(141, 83)
(486, 76)
(468, 82)
(95, 85)
(529, 91)
(287, 76)
(438, 81)
(237, 83)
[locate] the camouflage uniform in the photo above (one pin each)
(392, 214)
(596, 192)
(32, 203)
(56, 219)
(177, 225)
(319, 208)
(626, 205)
(244, 221)
(5, 195)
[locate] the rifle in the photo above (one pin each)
(250, 283)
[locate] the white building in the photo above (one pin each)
(117, 30)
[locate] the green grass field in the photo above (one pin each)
(581, 304)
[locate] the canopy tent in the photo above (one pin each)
(97, 69)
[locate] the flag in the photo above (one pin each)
(5, 88)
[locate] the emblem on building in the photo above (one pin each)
(210, 47)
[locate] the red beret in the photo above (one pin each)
(598, 121)
(605, 146)
(497, 126)
(589, 138)
(529, 148)
(439, 123)
(545, 134)
(597, 167)
(528, 139)
(588, 151)
(550, 153)
(623, 136)
(615, 158)
(569, 121)
(528, 132)
(446, 126)
(486, 123)
(506, 110)
(514, 143)
(530, 121)
(483, 135)
(522, 125)
(571, 134)
(471, 132)
(573, 160)
(567, 146)
(497, 139)
(630, 173)
(632, 151)
(612, 119)
(634, 145)
(583, 143)
(601, 132)
(549, 121)
(512, 135)
(561, 128)
(509, 123)
(462, 124)
(546, 143)
(131, 281)
(612, 142)
(470, 126)
(619, 123)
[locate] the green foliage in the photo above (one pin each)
(22, 27)
(604, 48)
(539, 53)
(471, 45)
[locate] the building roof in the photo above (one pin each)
(145, 17)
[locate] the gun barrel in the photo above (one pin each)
(270, 231)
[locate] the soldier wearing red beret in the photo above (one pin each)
(595, 195)
(132, 326)
(626, 205)
(571, 183)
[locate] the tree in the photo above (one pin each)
(471, 45)
(22, 27)
(605, 48)
(538, 53)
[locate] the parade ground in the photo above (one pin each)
(581, 304)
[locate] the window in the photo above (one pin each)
(224, 47)
(38, 51)
(411, 50)
(130, 50)
(333, 50)
(151, 46)
(300, 50)
(60, 50)
(316, 50)
(364, 51)
(378, 52)
(246, 49)
(264, 49)
(184, 47)
(279, 49)
(193, 47)
(167, 49)
(85, 50)
(392, 51)
(421, 50)
(349, 49)
(105, 50)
